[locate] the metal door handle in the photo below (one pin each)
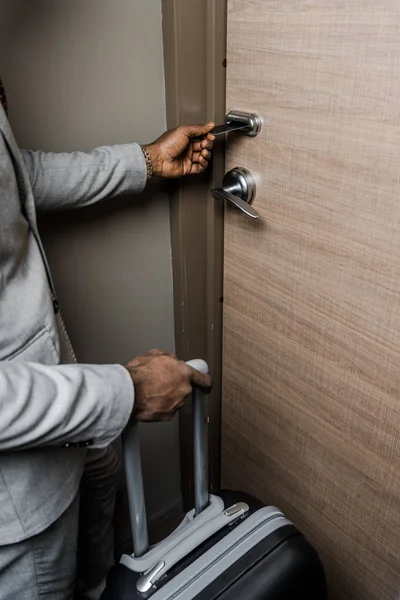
(239, 189)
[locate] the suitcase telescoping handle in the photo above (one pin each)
(133, 467)
(200, 442)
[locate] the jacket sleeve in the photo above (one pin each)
(62, 405)
(73, 180)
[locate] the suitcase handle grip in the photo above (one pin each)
(148, 579)
(133, 467)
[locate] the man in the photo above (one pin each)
(55, 416)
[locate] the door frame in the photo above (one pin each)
(194, 35)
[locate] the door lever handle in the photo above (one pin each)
(221, 194)
(239, 189)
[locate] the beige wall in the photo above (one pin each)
(79, 74)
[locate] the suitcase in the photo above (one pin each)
(230, 546)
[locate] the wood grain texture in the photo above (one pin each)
(311, 399)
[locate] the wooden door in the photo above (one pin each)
(311, 377)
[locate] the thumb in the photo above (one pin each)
(194, 130)
(200, 379)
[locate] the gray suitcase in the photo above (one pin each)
(229, 547)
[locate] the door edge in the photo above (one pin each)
(195, 92)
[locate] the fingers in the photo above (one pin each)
(195, 130)
(197, 168)
(200, 166)
(200, 161)
(206, 144)
(200, 379)
(204, 154)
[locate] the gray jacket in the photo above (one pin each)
(49, 412)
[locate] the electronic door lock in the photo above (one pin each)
(245, 123)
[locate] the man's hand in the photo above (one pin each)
(161, 385)
(174, 154)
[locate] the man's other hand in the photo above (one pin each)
(161, 385)
(175, 153)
